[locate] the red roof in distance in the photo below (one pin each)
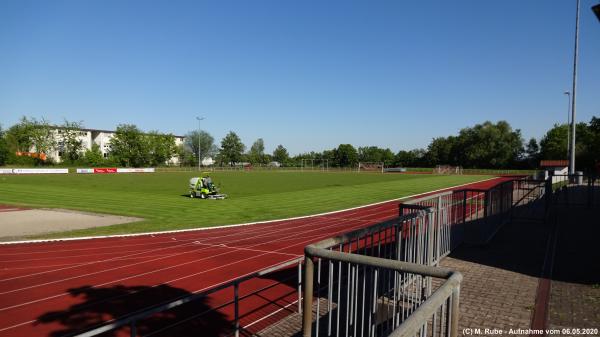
(554, 163)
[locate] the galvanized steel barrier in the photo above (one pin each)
(359, 287)
(474, 216)
(363, 289)
(445, 209)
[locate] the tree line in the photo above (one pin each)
(486, 145)
(130, 147)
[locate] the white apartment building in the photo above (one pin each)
(100, 137)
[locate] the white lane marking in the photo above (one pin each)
(245, 249)
(194, 274)
(275, 232)
(194, 292)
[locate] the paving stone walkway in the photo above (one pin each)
(574, 304)
(493, 298)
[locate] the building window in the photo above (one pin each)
(105, 155)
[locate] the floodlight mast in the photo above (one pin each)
(199, 156)
(574, 95)
(568, 93)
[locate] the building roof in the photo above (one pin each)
(554, 163)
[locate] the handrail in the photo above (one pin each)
(427, 197)
(414, 322)
(438, 272)
(346, 237)
(449, 289)
(131, 319)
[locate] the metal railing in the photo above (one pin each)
(475, 215)
(377, 281)
(360, 295)
(446, 214)
(528, 190)
(360, 298)
(366, 300)
(236, 327)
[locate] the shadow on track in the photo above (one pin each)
(99, 305)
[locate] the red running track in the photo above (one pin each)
(7, 208)
(63, 287)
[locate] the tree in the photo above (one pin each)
(412, 158)
(387, 157)
(131, 147)
(593, 143)
(208, 149)
(554, 143)
(185, 155)
(329, 156)
(257, 152)
(369, 154)
(42, 138)
(93, 157)
(3, 148)
(31, 135)
(375, 154)
(232, 149)
(532, 154)
(595, 125)
(280, 154)
(128, 147)
(533, 149)
(161, 147)
(488, 145)
(441, 151)
(69, 143)
(345, 156)
(404, 158)
(297, 160)
(18, 136)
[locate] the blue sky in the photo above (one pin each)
(306, 74)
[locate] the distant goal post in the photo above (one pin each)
(371, 166)
(314, 165)
(448, 169)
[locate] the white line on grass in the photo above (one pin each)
(225, 233)
(242, 224)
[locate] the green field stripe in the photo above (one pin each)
(253, 196)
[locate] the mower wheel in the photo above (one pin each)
(192, 195)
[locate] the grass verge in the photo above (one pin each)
(162, 198)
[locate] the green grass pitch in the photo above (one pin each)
(162, 198)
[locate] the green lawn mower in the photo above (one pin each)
(203, 188)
